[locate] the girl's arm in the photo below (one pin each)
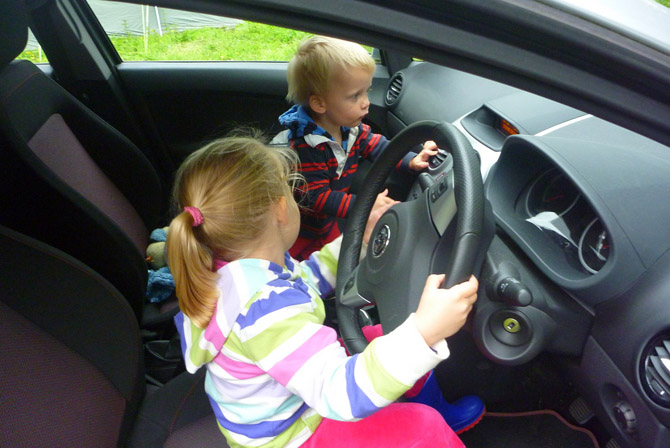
(320, 269)
(306, 358)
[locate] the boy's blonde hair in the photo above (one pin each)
(315, 62)
(233, 182)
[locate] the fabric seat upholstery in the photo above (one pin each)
(71, 366)
(69, 178)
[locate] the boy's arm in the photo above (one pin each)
(372, 145)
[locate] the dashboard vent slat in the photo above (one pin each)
(656, 370)
(659, 371)
(394, 89)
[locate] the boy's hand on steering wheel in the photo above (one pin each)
(421, 161)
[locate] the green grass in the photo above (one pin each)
(35, 56)
(247, 41)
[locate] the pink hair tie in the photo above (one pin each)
(196, 214)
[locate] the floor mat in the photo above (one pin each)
(536, 429)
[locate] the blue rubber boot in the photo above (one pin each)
(460, 415)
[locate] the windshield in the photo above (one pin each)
(645, 21)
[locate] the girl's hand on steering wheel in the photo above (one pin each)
(442, 312)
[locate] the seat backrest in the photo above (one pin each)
(68, 178)
(71, 369)
(71, 362)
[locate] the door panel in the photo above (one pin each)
(191, 103)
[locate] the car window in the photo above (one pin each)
(151, 33)
(33, 51)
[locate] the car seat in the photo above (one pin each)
(71, 368)
(72, 180)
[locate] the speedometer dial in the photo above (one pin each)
(594, 247)
(551, 192)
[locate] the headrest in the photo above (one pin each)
(13, 30)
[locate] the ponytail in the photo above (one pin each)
(191, 266)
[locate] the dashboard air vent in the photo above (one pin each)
(655, 370)
(394, 89)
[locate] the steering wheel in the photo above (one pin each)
(413, 238)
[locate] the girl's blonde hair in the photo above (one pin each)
(233, 182)
(317, 59)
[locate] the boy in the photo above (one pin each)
(328, 80)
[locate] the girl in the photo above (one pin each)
(276, 376)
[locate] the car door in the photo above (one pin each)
(110, 55)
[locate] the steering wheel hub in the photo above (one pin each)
(381, 240)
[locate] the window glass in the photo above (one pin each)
(151, 33)
(33, 51)
(644, 22)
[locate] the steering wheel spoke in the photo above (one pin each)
(350, 295)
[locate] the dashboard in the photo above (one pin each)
(580, 197)
(580, 264)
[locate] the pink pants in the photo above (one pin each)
(406, 425)
(402, 425)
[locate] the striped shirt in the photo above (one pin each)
(274, 370)
(329, 167)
